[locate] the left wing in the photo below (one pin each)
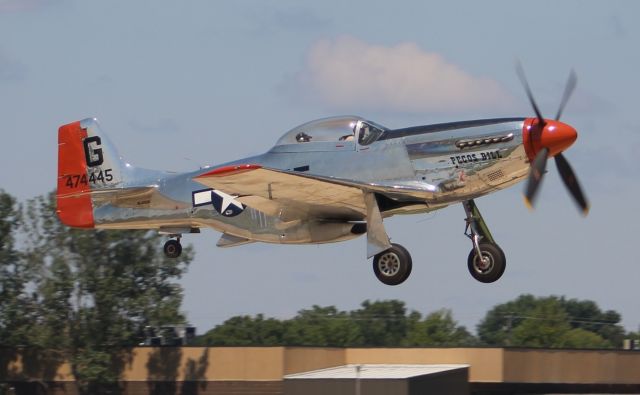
(290, 195)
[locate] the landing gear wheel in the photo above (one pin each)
(492, 265)
(392, 266)
(172, 248)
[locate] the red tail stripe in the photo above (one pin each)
(73, 211)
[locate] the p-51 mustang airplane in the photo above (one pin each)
(325, 181)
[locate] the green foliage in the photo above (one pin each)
(245, 331)
(550, 321)
(496, 327)
(585, 314)
(91, 293)
(322, 326)
(380, 323)
(16, 304)
(437, 329)
(545, 327)
(526, 321)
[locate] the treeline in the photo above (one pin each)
(528, 321)
(81, 296)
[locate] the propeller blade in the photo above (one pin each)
(523, 79)
(570, 180)
(568, 90)
(535, 177)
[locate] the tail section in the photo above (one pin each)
(87, 164)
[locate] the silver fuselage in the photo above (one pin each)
(420, 169)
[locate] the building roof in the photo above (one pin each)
(375, 371)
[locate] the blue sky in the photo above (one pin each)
(182, 84)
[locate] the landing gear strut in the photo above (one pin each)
(173, 248)
(486, 261)
(391, 262)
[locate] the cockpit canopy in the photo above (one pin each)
(334, 129)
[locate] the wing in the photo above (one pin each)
(289, 195)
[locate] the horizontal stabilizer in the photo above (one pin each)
(227, 240)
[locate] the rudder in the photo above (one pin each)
(87, 162)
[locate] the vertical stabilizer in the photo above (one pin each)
(87, 162)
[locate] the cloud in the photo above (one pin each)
(348, 72)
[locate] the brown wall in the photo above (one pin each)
(272, 363)
(572, 366)
(302, 359)
(203, 363)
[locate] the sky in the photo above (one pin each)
(179, 85)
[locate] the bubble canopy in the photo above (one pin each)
(328, 129)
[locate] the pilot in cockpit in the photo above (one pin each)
(365, 131)
(302, 137)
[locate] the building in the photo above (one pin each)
(264, 370)
(380, 379)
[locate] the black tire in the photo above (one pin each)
(172, 248)
(493, 270)
(392, 266)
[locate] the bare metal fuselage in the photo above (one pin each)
(418, 169)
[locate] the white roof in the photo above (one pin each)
(375, 371)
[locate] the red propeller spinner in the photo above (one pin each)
(553, 135)
(545, 138)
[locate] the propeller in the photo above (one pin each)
(539, 164)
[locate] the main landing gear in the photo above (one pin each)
(392, 262)
(173, 248)
(486, 261)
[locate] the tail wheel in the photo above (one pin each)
(172, 248)
(392, 266)
(490, 266)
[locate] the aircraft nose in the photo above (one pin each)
(556, 136)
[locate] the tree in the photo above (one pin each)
(550, 321)
(545, 326)
(16, 305)
(245, 331)
(382, 323)
(495, 328)
(437, 329)
(323, 327)
(97, 291)
(585, 314)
